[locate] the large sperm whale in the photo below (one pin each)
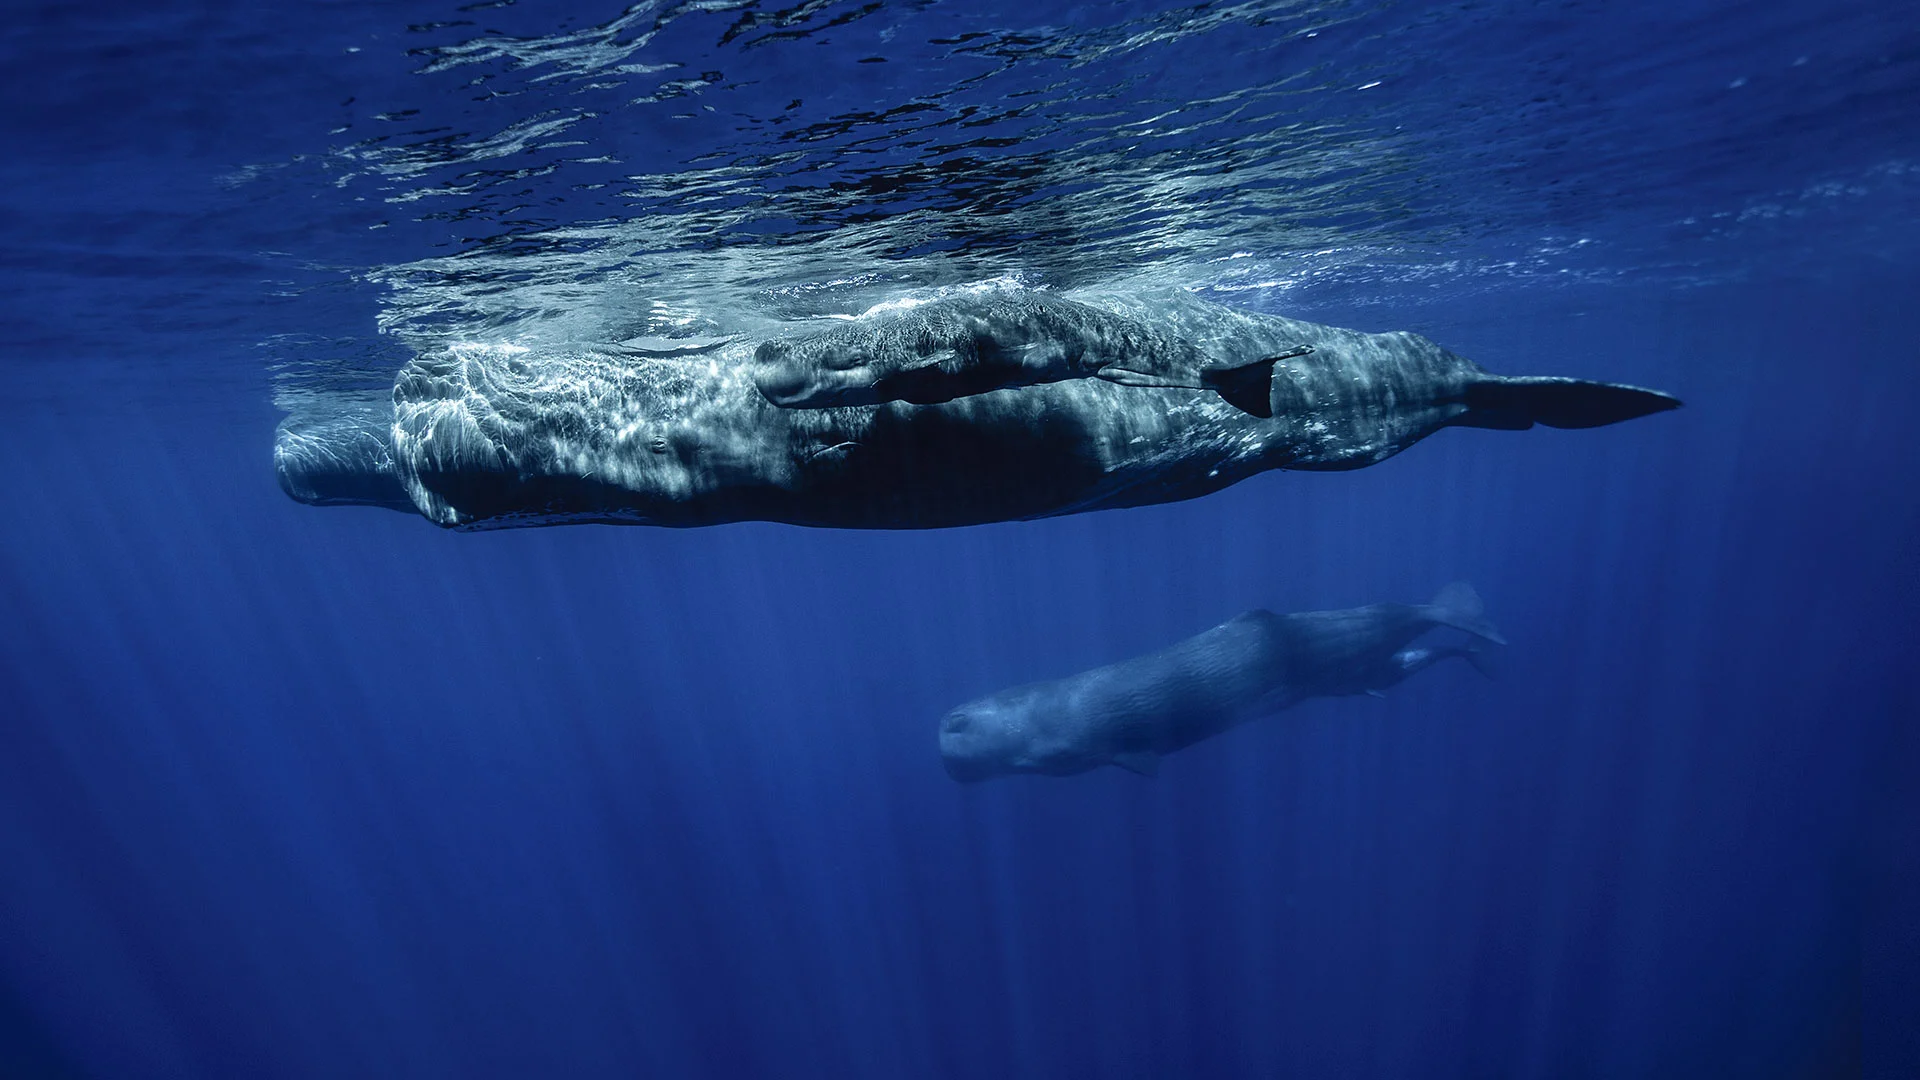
(990, 404)
(1253, 665)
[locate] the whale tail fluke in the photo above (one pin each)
(1460, 607)
(1515, 403)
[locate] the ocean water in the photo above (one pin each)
(332, 792)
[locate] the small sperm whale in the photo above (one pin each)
(1256, 664)
(989, 404)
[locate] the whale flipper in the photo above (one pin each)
(1143, 762)
(1249, 387)
(1459, 606)
(1515, 403)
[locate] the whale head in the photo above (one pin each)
(1027, 729)
(993, 736)
(976, 743)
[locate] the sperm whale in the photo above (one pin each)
(1256, 664)
(991, 404)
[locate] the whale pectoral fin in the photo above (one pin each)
(929, 380)
(829, 454)
(1123, 376)
(1378, 694)
(1143, 762)
(1249, 387)
(1513, 403)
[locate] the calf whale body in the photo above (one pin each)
(1253, 665)
(993, 404)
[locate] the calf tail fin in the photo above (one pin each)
(1515, 403)
(1459, 606)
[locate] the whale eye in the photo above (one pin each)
(955, 722)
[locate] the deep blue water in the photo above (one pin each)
(288, 791)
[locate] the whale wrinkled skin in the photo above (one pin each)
(996, 404)
(1253, 665)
